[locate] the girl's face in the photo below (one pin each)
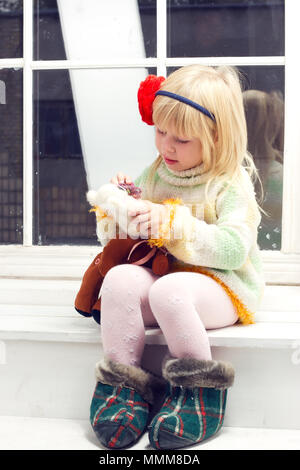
(178, 152)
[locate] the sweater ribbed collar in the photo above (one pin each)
(190, 177)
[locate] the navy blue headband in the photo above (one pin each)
(187, 101)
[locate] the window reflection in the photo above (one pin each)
(264, 108)
(265, 118)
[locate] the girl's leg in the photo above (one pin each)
(185, 304)
(125, 311)
(120, 407)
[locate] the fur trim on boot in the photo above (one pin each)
(190, 372)
(116, 374)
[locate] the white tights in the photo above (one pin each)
(183, 304)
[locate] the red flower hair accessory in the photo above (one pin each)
(146, 95)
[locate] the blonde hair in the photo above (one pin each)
(224, 142)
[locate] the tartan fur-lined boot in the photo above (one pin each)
(119, 411)
(195, 405)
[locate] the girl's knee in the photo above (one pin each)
(121, 271)
(115, 278)
(166, 293)
(127, 280)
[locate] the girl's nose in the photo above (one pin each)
(169, 144)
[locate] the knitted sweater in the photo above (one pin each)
(217, 238)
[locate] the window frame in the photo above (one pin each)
(281, 267)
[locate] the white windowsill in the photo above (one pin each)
(58, 270)
(71, 261)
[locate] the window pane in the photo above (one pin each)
(264, 106)
(87, 128)
(215, 28)
(61, 214)
(11, 29)
(11, 156)
(94, 29)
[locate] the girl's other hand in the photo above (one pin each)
(121, 178)
(147, 223)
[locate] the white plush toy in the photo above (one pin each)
(116, 202)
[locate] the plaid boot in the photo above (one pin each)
(195, 405)
(120, 406)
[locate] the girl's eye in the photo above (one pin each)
(182, 141)
(160, 131)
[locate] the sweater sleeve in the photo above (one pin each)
(225, 244)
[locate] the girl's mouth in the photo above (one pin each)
(169, 162)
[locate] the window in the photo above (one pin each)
(73, 71)
(11, 156)
(85, 119)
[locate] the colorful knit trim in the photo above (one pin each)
(165, 228)
(245, 316)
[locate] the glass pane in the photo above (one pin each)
(11, 29)
(94, 29)
(84, 136)
(264, 106)
(11, 156)
(215, 28)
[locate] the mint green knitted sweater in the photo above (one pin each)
(216, 235)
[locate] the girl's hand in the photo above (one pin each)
(121, 178)
(147, 224)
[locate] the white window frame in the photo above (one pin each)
(281, 267)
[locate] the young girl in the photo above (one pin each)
(201, 207)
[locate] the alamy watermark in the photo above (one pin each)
(119, 219)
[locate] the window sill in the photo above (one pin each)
(51, 275)
(71, 261)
